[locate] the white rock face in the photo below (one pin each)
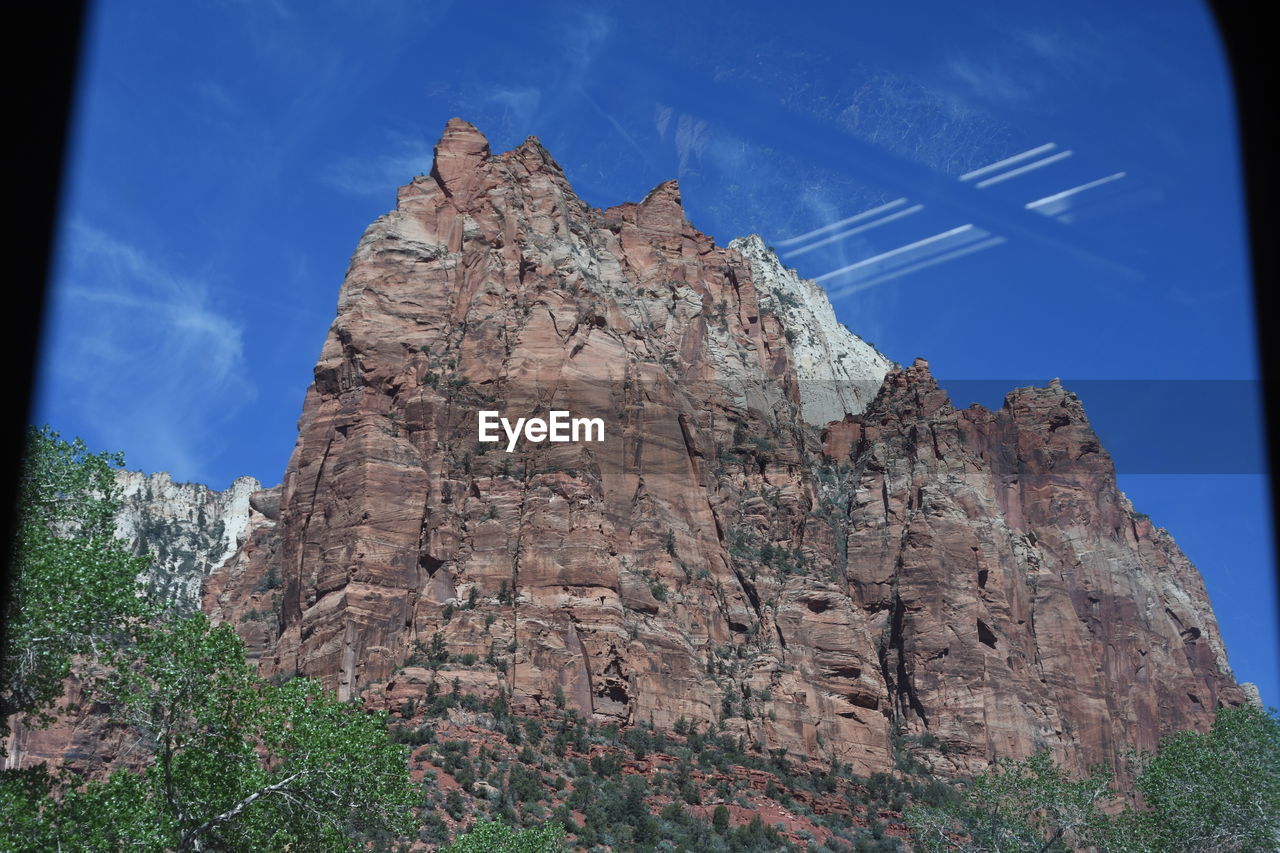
(188, 529)
(839, 372)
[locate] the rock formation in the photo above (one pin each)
(1019, 599)
(781, 530)
(185, 528)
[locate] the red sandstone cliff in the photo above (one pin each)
(726, 552)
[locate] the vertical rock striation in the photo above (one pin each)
(1020, 601)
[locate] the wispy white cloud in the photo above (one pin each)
(142, 352)
(692, 136)
(987, 79)
(1079, 49)
(382, 173)
(1035, 62)
(661, 119)
(586, 34)
(520, 104)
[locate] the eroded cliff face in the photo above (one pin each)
(1018, 599)
(781, 530)
(185, 528)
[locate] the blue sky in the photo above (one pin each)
(227, 156)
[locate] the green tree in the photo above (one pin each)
(238, 763)
(437, 651)
(497, 837)
(74, 588)
(720, 819)
(1217, 791)
(220, 759)
(1016, 806)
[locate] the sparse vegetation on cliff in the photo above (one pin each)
(496, 837)
(1217, 791)
(220, 759)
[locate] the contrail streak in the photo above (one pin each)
(791, 241)
(910, 247)
(947, 256)
(855, 230)
(1062, 155)
(1049, 199)
(1009, 161)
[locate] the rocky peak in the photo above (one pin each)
(781, 534)
(839, 373)
(662, 210)
(534, 157)
(458, 154)
(186, 528)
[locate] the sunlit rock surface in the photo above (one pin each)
(839, 373)
(185, 528)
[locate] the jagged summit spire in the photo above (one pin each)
(662, 209)
(461, 135)
(665, 193)
(460, 150)
(535, 156)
